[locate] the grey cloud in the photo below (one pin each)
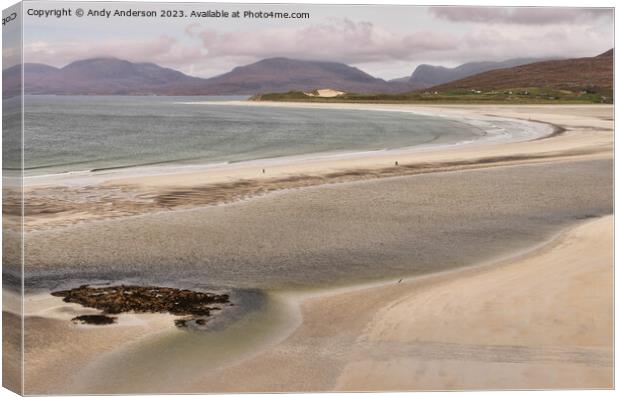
(521, 15)
(205, 51)
(342, 40)
(163, 50)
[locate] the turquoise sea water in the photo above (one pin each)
(67, 133)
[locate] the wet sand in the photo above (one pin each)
(543, 322)
(540, 321)
(436, 218)
(330, 235)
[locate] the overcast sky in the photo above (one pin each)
(385, 41)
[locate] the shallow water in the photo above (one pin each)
(68, 134)
(170, 360)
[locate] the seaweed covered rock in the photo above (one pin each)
(95, 319)
(144, 299)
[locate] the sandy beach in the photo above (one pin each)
(495, 266)
(541, 318)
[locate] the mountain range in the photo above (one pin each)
(111, 76)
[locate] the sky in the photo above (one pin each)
(385, 41)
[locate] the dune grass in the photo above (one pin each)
(530, 95)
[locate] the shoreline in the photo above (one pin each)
(95, 197)
(520, 130)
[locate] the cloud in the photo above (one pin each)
(11, 56)
(341, 40)
(379, 49)
(502, 42)
(376, 49)
(193, 29)
(521, 15)
(204, 51)
(164, 50)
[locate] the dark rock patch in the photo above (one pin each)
(144, 299)
(191, 322)
(95, 319)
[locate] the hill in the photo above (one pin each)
(593, 74)
(12, 77)
(579, 80)
(429, 75)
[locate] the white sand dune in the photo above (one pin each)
(325, 93)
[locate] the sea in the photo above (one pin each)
(64, 134)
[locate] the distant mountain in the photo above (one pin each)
(111, 76)
(111, 69)
(283, 75)
(400, 80)
(428, 75)
(594, 73)
(38, 69)
(12, 77)
(103, 76)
